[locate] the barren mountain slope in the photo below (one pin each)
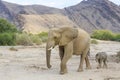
(39, 23)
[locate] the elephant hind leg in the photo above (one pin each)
(87, 62)
(83, 57)
(81, 64)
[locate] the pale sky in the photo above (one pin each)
(53, 3)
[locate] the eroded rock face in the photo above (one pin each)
(95, 14)
(4, 12)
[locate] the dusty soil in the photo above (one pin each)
(29, 63)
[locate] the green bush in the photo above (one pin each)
(7, 32)
(103, 35)
(5, 26)
(7, 39)
(43, 36)
(117, 37)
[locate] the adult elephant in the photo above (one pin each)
(71, 41)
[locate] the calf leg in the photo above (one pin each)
(104, 64)
(99, 63)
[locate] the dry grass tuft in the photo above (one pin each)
(13, 49)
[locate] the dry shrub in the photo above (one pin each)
(94, 41)
(43, 36)
(118, 54)
(1, 54)
(27, 39)
(36, 39)
(23, 39)
(118, 57)
(115, 57)
(13, 49)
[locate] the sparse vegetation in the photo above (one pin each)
(35, 39)
(118, 57)
(94, 41)
(30, 39)
(1, 54)
(43, 36)
(9, 35)
(13, 49)
(117, 37)
(105, 35)
(23, 39)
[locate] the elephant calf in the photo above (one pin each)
(101, 57)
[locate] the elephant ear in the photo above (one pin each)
(67, 35)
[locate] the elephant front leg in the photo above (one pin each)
(63, 68)
(68, 50)
(61, 52)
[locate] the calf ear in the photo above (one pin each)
(68, 35)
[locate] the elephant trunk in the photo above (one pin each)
(49, 47)
(48, 54)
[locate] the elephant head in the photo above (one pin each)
(59, 36)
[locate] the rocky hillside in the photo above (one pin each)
(4, 12)
(89, 15)
(95, 14)
(32, 9)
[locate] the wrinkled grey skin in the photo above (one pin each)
(101, 57)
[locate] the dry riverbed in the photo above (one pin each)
(29, 63)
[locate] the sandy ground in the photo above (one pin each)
(29, 63)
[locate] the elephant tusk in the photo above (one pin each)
(50, 48)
